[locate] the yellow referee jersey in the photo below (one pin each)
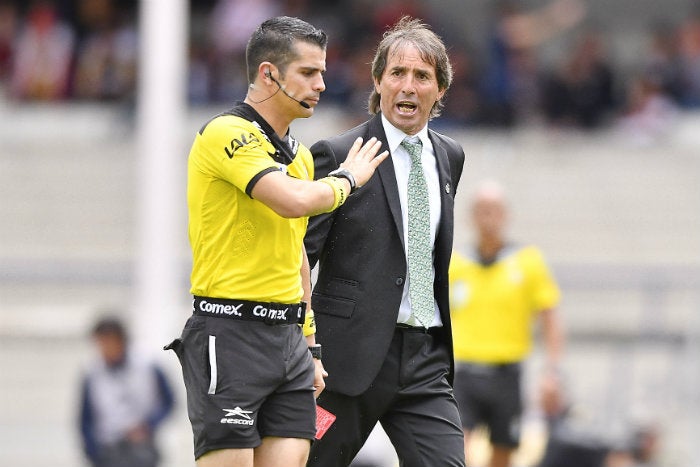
(241, 248)
(493, 306)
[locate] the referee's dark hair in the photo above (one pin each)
(273, 41)
(416, 33)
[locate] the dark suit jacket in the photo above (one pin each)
(362, 266)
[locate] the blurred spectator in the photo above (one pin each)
(510, 77)
(231, 22)
(690, 61)
(124, 399)
(43, 54)
(581, 92)
(200, 76)
(343, 77)
(87, 49)
(645, 445)
(650, 114)
(574, 442)
(107, 53)
(200, 57)
(8, 29)
(663, 61)
(461, 106)
(387, 13)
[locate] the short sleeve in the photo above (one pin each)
(545, 292)
(232, 149)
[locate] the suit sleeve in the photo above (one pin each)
(319, 226)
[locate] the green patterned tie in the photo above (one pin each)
(420, 254)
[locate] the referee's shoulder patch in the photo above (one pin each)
(244, 138)
(230, 133)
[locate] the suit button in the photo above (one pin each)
(399, 281)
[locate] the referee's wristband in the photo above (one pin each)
(315, 351)
(309, 326)
(339, 191)
(342, 172)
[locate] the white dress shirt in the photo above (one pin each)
(402, 166)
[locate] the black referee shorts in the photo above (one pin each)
(490, 395)
(245, 380)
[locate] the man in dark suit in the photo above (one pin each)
(387, 343)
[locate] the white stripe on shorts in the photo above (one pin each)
(212, 364)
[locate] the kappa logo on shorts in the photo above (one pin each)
(243, 417)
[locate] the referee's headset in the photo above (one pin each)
(284, 91)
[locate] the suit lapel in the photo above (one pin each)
(387, 175)
(445, 180)
(444, 235)
(443, 166)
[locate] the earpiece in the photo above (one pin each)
(284, 91)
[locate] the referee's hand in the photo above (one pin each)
(320, 374)
(363, 160)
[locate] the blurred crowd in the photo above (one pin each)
(88, 50)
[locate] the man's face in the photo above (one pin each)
(303, 79)
(111, 347)
(489, 216)
(408, 89)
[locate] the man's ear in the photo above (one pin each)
(265, 70)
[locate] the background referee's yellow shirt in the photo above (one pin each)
(241, 248)
(493, 306)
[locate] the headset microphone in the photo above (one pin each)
(301, 103)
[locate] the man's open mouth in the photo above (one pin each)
(406, 107)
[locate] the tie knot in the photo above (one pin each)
(413, 146)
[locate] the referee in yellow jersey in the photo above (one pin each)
(248, 372)
(496, 293)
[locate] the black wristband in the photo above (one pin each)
(315, 351)
(347, 175)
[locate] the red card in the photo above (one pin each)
(324, 420)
